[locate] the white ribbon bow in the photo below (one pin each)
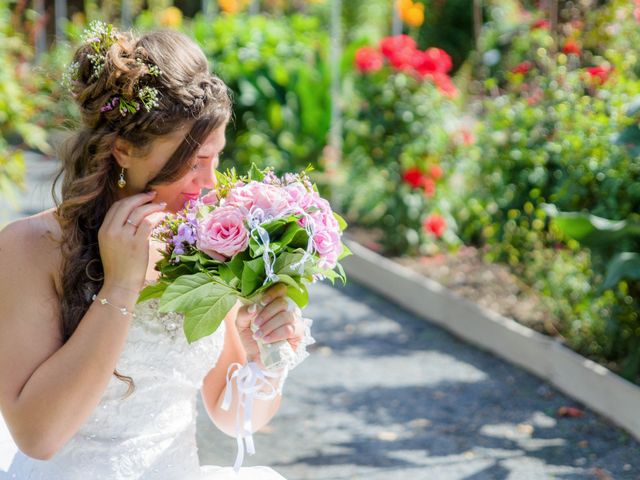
(250, 379)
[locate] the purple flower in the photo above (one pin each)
(185, 234)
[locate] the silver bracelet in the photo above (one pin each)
(123, 310)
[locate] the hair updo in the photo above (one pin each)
(188, 96)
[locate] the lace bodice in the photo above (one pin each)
(151, 433)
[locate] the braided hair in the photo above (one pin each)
(188, 96)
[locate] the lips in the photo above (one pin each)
(191, 196)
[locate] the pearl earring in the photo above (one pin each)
(121, 181)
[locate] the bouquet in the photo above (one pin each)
(237, 241)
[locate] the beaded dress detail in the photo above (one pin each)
(151, 434)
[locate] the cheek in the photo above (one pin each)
(171, 195)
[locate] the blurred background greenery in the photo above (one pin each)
(507, 125)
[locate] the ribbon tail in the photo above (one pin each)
(239, 455)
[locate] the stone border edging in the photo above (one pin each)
(578, 377)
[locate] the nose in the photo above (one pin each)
(206, 178)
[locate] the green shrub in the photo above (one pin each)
(20, 100)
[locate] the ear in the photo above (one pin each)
(122, 150)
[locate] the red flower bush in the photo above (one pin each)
(435, 225)
(598, 75)
(522, 68)
(414, 177)
(403, 54)
(571, 47)
(435, 171)
(369, 59)
(418, 179)
(541, 24)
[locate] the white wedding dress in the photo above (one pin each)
(150, 435)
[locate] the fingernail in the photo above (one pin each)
(152, 193)
(252, 308)
(163, 204)
(264, 302)
(258, 334)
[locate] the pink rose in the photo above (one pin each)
(299, 196)
(324, 219)
(210, 198)
(222, 233)
(271, 199)
(327, 244)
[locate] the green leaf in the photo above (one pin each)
(285, 261)
(189, 290)
(154, 290)
(341, 221)
(625, 265)
(226, 274)
(343, 275)
(290, 281)
(255, 173)
(300, 296)
(345, 252)
(204, 318)
(236, 264)
(292, 230)
(591, 230)
(252, 276)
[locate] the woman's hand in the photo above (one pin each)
(123, 239)
(275, 322)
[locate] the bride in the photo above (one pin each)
(93, 385)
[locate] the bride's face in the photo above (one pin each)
(200, 176)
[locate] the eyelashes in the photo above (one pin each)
(196, 164)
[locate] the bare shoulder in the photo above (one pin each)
(29, 303)
(32, 245)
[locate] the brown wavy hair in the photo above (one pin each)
(189, 96)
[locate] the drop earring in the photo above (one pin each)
(121, 181)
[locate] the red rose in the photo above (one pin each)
(542, 24)
(435, 225)
(435, 171)
(444, 84)
(368, 59)
(429, 187)
(522, 68)
(414, 177)
(599, 75)
(636, 14)
(400, 50)
(432, 60)
(571, 47)
(389, 45)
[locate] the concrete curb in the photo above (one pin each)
(580, 378)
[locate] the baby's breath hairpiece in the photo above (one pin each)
(101, 36)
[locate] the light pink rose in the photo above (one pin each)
(210, 198)
(321, 221)
(327, 244)
(271, 199)
(222, 233)
(299, 196)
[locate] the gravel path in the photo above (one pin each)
(386, 396)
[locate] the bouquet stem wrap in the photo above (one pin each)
(276, 355)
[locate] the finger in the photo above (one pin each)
(274, 291)
(148, 223)
(243, 320)
(273, 323)
(121, 210)
(139, 213)
(283, 332)
(276, 306)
